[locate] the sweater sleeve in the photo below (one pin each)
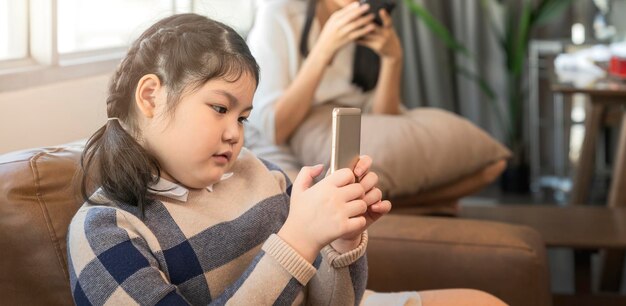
(341, 278)
(112, 261)
(273, 45)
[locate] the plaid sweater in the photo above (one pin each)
(217, 247)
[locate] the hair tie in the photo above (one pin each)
(113, 118)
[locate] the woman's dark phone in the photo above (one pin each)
(376, 5)
(346, 138)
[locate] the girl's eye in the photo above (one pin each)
(243, 120)
(219, 109)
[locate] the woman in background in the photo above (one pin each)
(317, 54)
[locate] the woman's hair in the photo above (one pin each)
(366, 64)
(184, 51)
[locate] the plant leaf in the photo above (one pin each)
(482, 83)
(521, 39)
(553, 8)
(437, 28)
(490, 94)
(494, 27)
(509, 39)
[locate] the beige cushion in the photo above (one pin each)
(421, 149)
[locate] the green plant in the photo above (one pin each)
(513, 38)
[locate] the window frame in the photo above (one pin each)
(44, 64)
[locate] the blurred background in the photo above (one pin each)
(496, 62)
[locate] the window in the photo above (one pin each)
(238, 14)
(43, 41)
(85, 25)
(13, 30)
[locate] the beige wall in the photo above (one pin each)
(52, 114)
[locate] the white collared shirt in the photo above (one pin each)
(175, 191)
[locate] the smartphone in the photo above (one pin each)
(346, 138)
(376, 5)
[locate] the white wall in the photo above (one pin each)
(53, 114)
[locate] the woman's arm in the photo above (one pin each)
(289, 100)
(384, 41)
(343, 26)
(387, 94)
(292, 107)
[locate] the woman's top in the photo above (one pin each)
(275, 43)
(206, 246)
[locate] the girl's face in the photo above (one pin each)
(201, 140)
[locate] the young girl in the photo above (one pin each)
(185, 215)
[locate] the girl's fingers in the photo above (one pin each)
(351, 192)
(305, 178)
(369, 181)
(340, 178)
(356, 224)
(363, 165)
(355, 208)
(382, 207)
(373, 196)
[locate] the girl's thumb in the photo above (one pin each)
(306, 176)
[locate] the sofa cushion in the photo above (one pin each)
(423, 149)
(37, 202)
(408, 252)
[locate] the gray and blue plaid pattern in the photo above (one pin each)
(118, 264)
(128, 263)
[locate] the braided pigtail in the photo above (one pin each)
(184, 51)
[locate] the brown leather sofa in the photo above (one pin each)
(37, 201)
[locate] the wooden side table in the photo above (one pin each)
(602, 95)
(581, 228)
(577, 226)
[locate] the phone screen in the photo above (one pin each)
(346, 138)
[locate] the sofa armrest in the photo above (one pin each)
(423, 253)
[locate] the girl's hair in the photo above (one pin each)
(184, 51)
(366, 64)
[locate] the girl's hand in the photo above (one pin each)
(376, 208)
(384, 40)
(321, 213)
(344, 26)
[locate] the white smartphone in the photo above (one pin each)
(346, 138)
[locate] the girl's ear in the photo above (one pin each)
(146, 95)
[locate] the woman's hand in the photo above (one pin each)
(383, 40)
(376, 208)
(321, 213)
(344, 26)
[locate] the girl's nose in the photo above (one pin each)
(232, 133)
